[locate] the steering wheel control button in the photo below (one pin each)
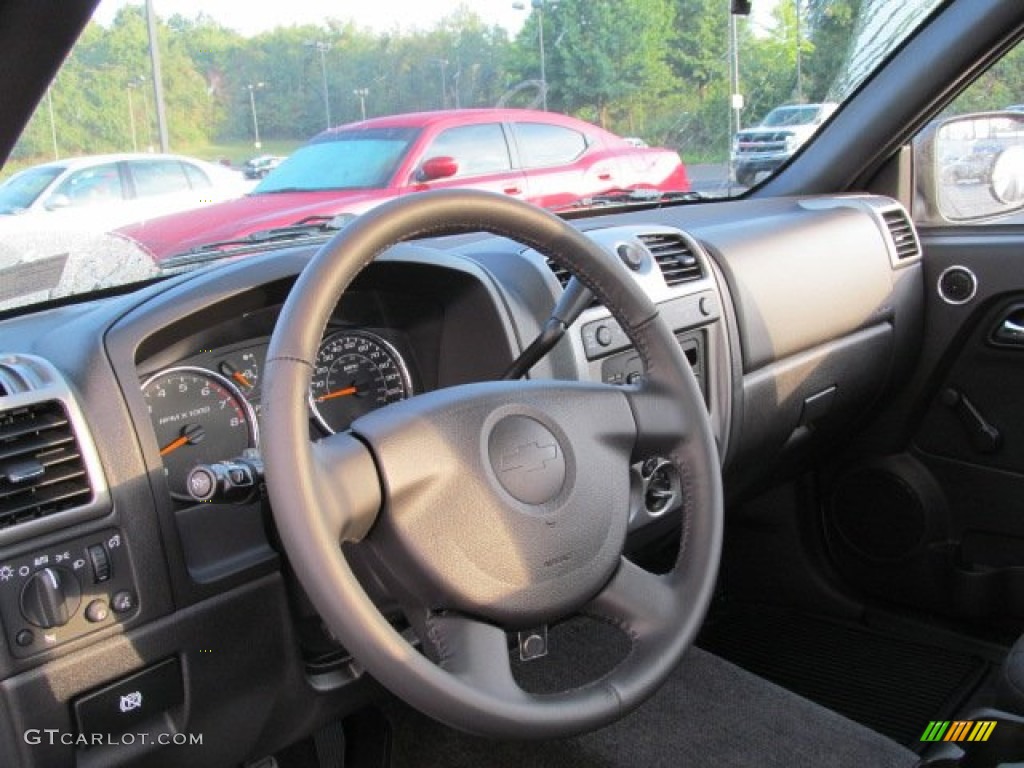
(122, 602)
(603, 335)
(50, 598)
(25, 638)
(527, 459)
(120, 706)
(100, 563)
(533, 643)
(97, 611)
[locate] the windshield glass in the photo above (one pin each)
(364, 159)
(790, 116)
(22, 189)
(543, 97)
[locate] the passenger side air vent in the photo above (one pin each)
(674, 256)
(902, 231)
(42, 470)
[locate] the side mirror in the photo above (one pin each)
(435, 168)
(970, 168)
(1007, 178)
(57, 201)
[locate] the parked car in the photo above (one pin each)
(660, 483)
(775, 139)
(258, 167)
(544, 158)
(101, 192)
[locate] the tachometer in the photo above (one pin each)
(199, 417)
(355, 373)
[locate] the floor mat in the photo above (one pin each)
(892, 685)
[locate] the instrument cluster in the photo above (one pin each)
(206, 408)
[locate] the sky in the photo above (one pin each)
(254, 16)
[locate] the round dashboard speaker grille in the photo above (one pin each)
(878, 513)
(957, 285)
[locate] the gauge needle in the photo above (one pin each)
(190, 433)
(174, 445)
(230, 370)
(338, 393)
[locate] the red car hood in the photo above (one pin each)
(170, 235)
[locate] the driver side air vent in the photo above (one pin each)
(561, 273)
(42, 470)
(675, 258)
(902, 231)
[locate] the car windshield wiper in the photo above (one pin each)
(312, 227)
(628, 199)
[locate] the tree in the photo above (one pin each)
(606, 57)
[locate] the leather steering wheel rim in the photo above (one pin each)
(338, 489)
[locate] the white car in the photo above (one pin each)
(102, 192)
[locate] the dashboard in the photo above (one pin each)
(793, 323)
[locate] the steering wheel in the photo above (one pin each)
(494, 506)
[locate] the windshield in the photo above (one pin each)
(364, 159)
(791, 116)
(22, 189)
(569, 103)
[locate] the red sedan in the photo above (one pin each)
(548, 159)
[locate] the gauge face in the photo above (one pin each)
(355, 373)
(242, 369)
(200, 417)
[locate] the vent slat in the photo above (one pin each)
(41, 436)
(902, 233)
(675, 258)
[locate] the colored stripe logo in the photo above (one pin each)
(958, 730)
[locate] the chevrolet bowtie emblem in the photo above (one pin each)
(530, 457)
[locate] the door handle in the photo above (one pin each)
(1011, 329)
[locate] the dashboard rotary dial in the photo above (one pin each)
(355, 373)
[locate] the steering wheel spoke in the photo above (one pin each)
(641, 602)
(476, 652)
(661, 423)
(350, 488)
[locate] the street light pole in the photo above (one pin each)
(538, 6)
(322, 48)
(53, 122)
(252, 103)
(362, 93)
(799, 56)
(158, 85)
(444, 82)
(131, 117)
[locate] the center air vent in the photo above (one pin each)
(42, 470)
(674, 256)
(902, 231)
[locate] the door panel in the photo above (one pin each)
(934, 517)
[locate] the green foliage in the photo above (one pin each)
(658, 69)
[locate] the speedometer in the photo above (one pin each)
(355, 373)
(199, 417)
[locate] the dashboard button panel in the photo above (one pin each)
(53, 595)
